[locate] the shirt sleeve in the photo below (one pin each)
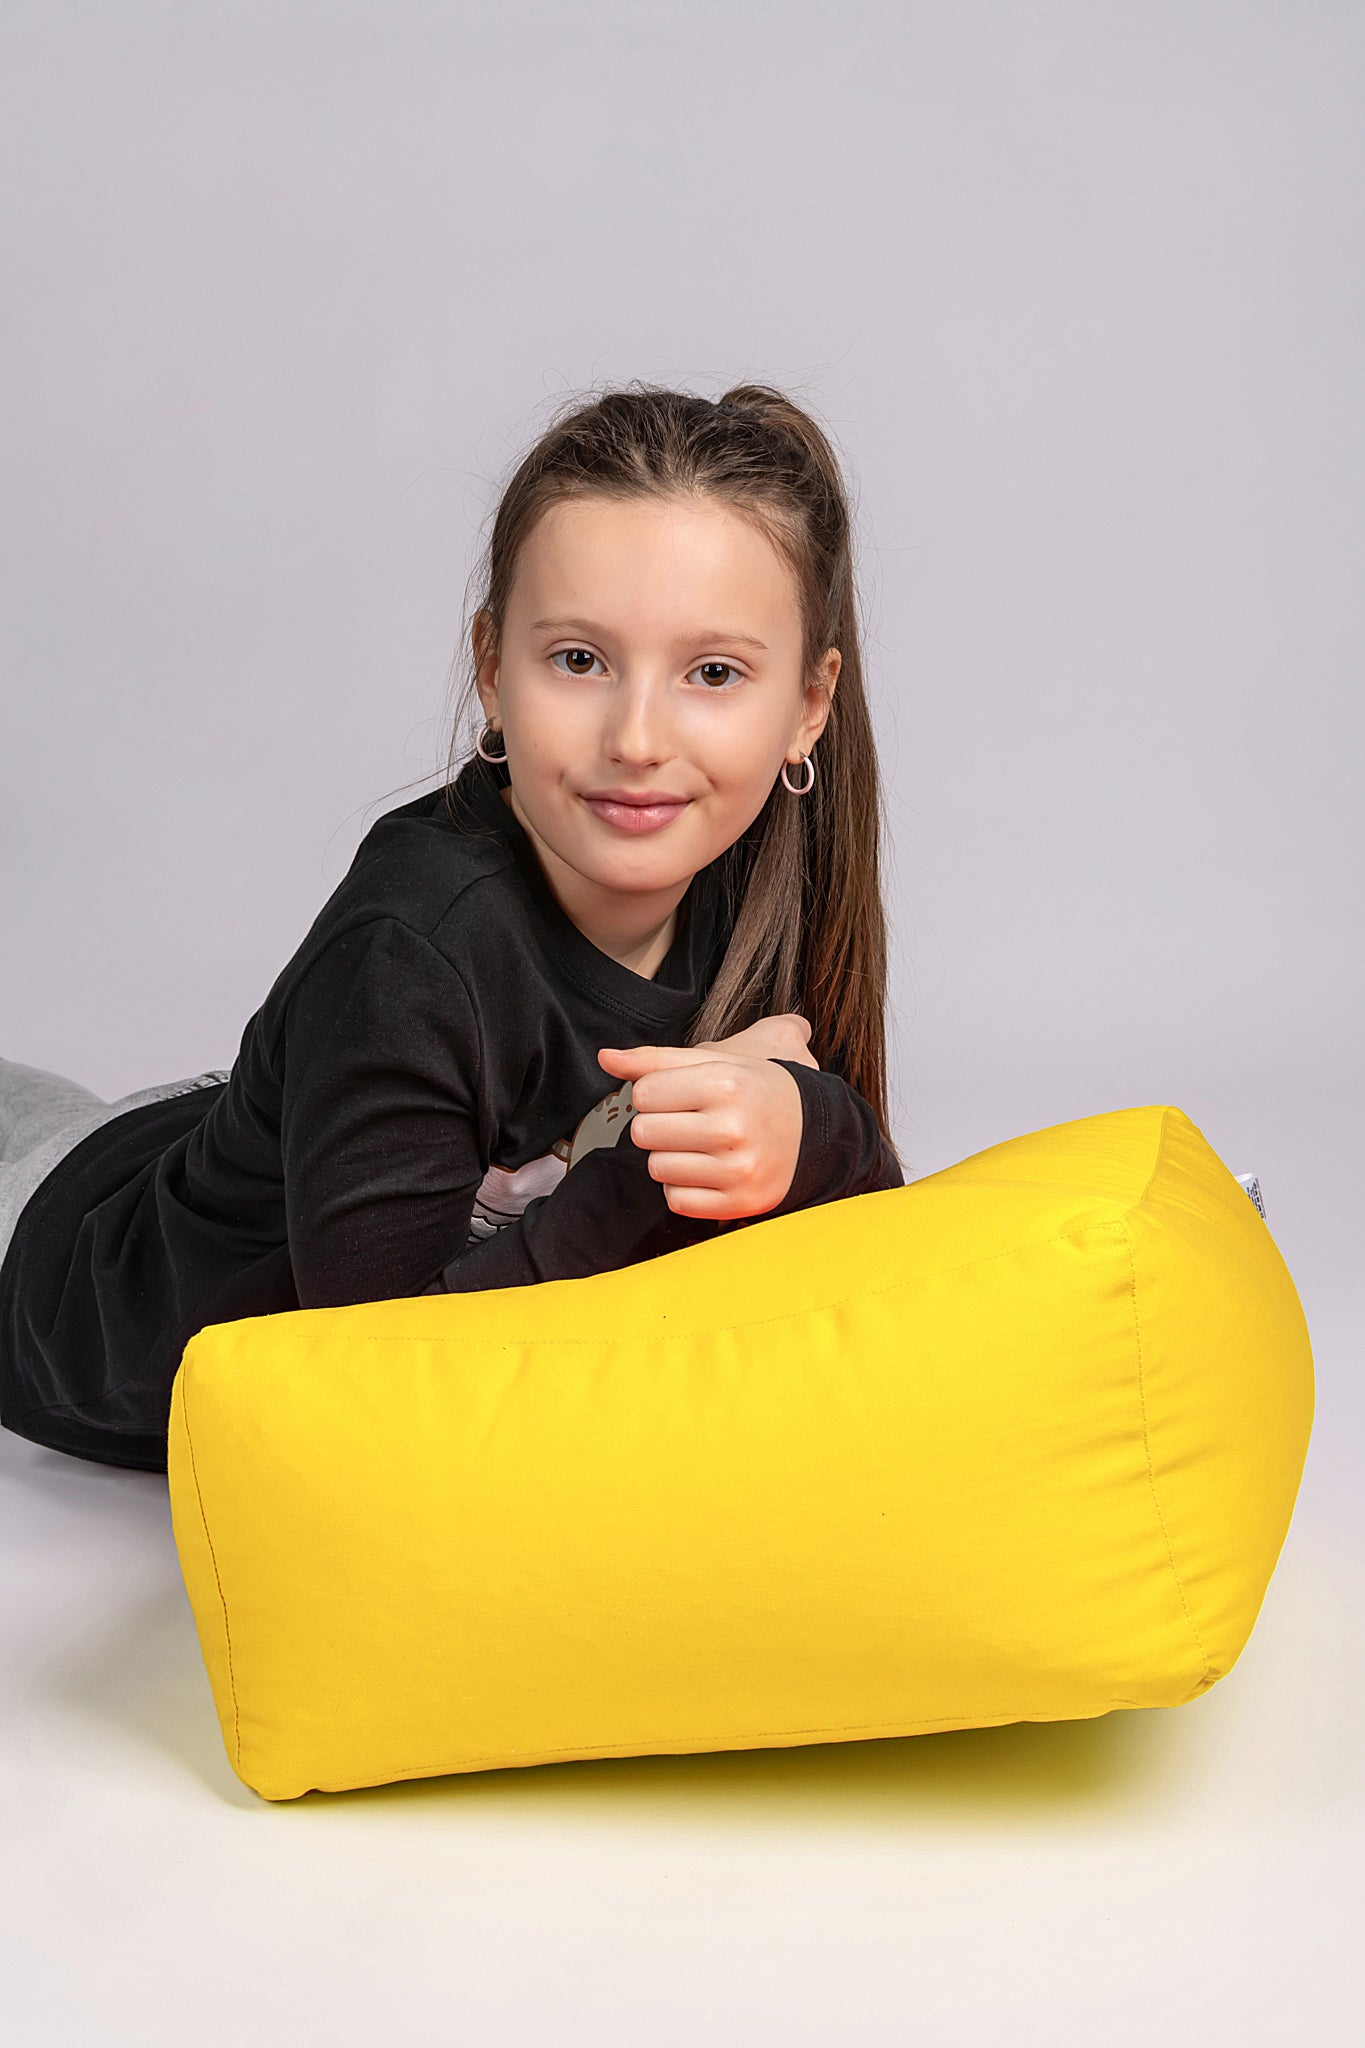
(843, 1151)
(607, 1212)
(380, 1120)
(610, 1211)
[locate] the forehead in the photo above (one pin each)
(652, 564)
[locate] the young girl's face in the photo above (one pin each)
(650, 649)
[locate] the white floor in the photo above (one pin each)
(1183, 1876)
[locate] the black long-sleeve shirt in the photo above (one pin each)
(416, 1107)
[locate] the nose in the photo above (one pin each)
(637, 723)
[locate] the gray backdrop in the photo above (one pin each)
(1078, 290)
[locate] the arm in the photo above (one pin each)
(609, 1211)
(380, 1119)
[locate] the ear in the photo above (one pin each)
(486, 662)
(819, 695)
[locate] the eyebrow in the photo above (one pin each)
(595, 632)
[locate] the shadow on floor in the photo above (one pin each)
(143, 1673)
(1025, 1773)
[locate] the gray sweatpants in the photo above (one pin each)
(44, 1116)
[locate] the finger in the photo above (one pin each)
(686, 1201)
(640, 1059)
(692, 1170)
(713, 1084)
(705, 1130)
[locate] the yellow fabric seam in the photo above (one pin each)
(217, 1577)
(1207, 1679)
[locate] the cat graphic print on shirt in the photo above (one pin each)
(505, 1191)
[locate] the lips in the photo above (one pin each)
(633, 796)
(635, 817)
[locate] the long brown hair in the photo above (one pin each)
(804, 879)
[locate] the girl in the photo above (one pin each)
(624, 878)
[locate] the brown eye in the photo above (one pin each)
(715, 683)
(575, 654)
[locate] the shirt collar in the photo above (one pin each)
(688, 968)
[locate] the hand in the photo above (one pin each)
(722, 1127)
(784, 1037)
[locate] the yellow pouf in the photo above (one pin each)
(1017, 1442)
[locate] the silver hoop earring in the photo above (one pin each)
(809, 760)
(478, 745)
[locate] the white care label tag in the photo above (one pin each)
(1253, 1188)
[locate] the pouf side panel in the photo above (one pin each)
(199, 1569)
(1228, 1386)
(441, 1561)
